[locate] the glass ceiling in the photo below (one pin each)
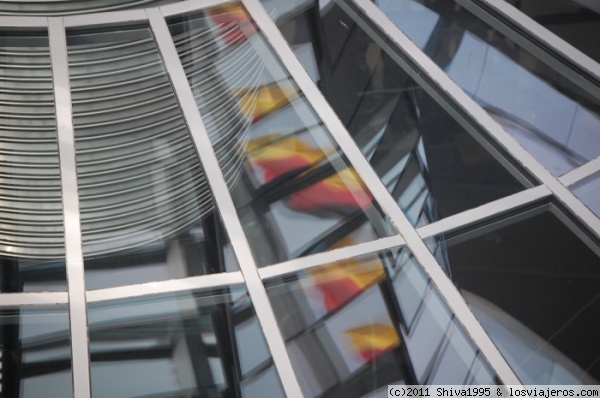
(296, 198)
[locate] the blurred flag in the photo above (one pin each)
(233, 22)
(371, 341)
(267, 99)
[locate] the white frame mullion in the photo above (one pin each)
(491, 209)
(331, 256)
(581, 173)
(445, 286)
(224, 203)
(550, 40)
(45, 298)
(70, 198)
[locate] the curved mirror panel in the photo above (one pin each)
(195, 344)
(428, 160)
(31, 217)
(147, 212)
(35, 352)
(552, 115)
(297, 194)
(535, 287)
(355, 326)
(575, 21)
(589, 192)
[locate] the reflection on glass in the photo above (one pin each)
(555, 119)
(432, 166)
(31, 226)
(574, 21)
(35, 352)
(589, 192)
(69, 7)
(534, 286)
(297, 194)
(355, 326)
(146, 209)
(192, 344)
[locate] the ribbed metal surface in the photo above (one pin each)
(31, 222)
(140, 180)
(71, 7)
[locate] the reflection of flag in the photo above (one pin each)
(341, 281)
(273, 157)
(371, 341)
(267, 99)
(233, 22)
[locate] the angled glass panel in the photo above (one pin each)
(193, 344)
(554, 116)
(355, 326)
(589, 192)
(576, 22)
(31, 218)
(296, 194)
(532, 280)
(147, 213)
(70, 7)
(35, 352)
(428, 160)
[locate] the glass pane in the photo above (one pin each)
(297, 194)
(35, 352)
(201, 344)
(147, 212)
(31, 226)
(355, 326)
(534, 286)
(556, 118)
(68, 7)
(429, 162)
(574, 21)
(589, 192)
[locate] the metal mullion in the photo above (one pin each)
(580, 173)
(71, 214)
(45, 298)
(428, 74)
(487, 210)
(343, 253)
(23, 22)
(444, 285)
(541, 34)
(189, 6)
(224, 203)
(168, 286)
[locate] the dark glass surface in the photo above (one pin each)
(35, 352)
(589, 192)
(191, 344)
(555, 119)
(535, 287)
(576, 22)
(297, 193)
(429, 162)
(147, 212)
(31, 226)
(355, 326)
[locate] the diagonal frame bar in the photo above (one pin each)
(224, 203)
(70, 198)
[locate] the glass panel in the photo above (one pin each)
(297, 194)
(68, 7)
(555, 118)
(533, 285)
(589, 192)
(147, 212)
(429, 162)
(574, 21)
(355, 326)
(31, 226)
(35, 352)
(201, 344)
